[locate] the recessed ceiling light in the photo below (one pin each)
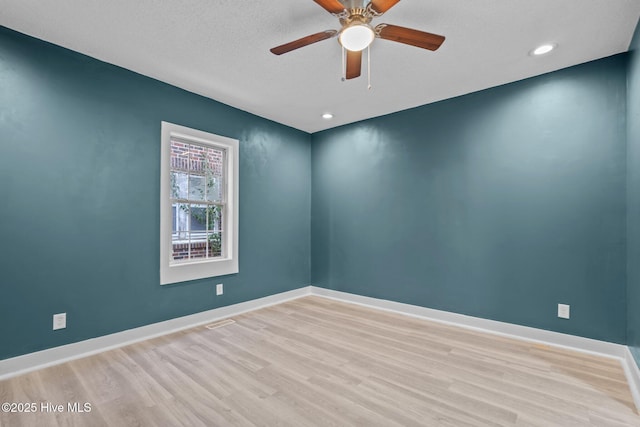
(327, 116)
(545, 48)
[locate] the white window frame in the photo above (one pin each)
(174, 272)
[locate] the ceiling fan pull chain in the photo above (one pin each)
(369, 67)
(344, 68)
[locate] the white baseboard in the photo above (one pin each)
(33, 361)
(632, 372)
(525, 333)
(557, 339)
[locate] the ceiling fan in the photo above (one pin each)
(357, 33)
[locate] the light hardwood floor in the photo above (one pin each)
(317, 362)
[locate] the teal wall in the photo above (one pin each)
(498, 204)
(633, 199)
(79, 221)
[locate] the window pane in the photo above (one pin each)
(198, 232)
(179, 155)
(198, 219)
(215, 218)
(198, 158)
(196, 187)
(179, 185)
(180, 251)
(214, 188)
(198, 249)
(213, 170)
(180, 235)
(214, 233)
(215, 244)
(181, 221)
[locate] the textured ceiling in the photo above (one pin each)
(220, 49)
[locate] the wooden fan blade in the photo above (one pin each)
(354, 63)
(305, 41)
(409, 36)
(331, 6)
(381, 6)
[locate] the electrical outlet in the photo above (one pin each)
(59, 321)
(219, 289)
(564, 311)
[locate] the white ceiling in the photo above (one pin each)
(220, 49)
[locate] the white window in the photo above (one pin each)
(198, 205)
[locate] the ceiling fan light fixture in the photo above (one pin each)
(356, 37)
